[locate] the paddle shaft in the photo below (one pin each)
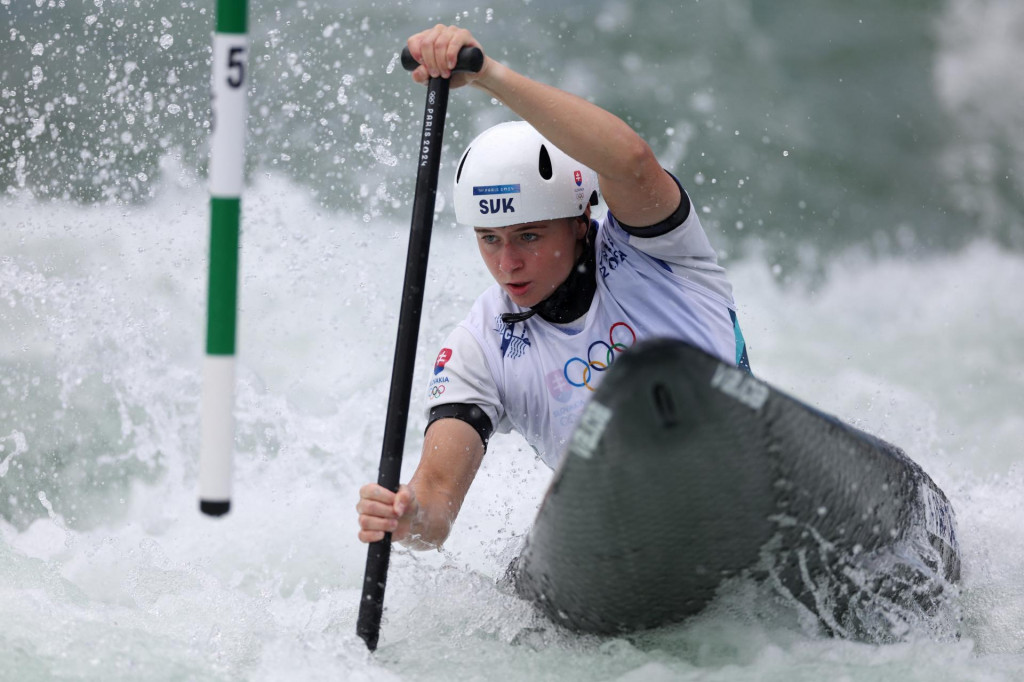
(378, 555)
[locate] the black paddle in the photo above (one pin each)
(429, 161)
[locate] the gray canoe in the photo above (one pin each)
(685, 471)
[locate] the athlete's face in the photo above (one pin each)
(531, 260)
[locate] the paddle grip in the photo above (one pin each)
(469, 59)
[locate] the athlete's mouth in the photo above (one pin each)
(516, 287)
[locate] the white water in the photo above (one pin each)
(107, 569)
(120, 577)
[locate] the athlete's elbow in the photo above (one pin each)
(637, 158)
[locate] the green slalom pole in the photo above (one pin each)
(227, 165)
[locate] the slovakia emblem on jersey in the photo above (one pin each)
(578, 176)
(442, 359)
(557, 385)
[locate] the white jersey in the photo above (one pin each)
(536, 376)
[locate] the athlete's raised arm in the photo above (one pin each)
(636, 189)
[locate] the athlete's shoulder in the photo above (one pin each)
(685, 242)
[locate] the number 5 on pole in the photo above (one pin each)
(227, 165)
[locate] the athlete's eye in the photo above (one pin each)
(529, 236)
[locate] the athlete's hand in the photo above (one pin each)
(436, 49)
(382, 511)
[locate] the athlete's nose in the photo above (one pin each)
(509, 259)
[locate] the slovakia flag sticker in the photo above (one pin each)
(442, 359)
(578, 176)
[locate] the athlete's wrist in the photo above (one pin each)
(492, 77)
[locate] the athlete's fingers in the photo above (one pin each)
(460, 38)
(437, 50)
(382, 511)
(367, 522)
(376, 493)
(435, 54)
(417, 44)
(403, 500)
(378, 509)
(376, 500)
(370, 536)
(428, 49)
(450, 41)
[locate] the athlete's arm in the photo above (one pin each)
(634, 185)
(421, 514)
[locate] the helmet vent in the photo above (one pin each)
(458, 174)
(545, 163)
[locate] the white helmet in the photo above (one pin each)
(510, 175)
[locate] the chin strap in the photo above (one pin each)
(572, 299)
(512, 318)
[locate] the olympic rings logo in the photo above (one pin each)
(436, 391)
(604, 359)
